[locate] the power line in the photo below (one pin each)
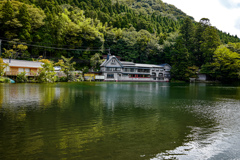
(67, 49)
(3, 38)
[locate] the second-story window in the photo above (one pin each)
(144, 70)
(113, 62)
(108, 69)
(129, 70)
(113, 69)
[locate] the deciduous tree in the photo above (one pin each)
(66, 65)
(2, 67)
(226, 65)
(46, 73)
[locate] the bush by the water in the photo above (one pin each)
(4, 80)
(62, 79)
(21, 77)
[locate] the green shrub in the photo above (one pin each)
(6, 80)
(2, 67)
(46, 73)
(71, 77)
(77, 78)
(63, 79)
(21, 77)
(2, 80)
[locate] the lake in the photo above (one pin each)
(119, 121)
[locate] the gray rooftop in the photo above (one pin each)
(22, 63)
(132, 64)
(127, 63)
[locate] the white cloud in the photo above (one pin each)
(237, 25)
(230, 3)
(222, 17)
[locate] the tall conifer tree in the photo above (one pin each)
(187, 33)
(25, 21)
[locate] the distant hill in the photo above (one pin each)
(139, 30)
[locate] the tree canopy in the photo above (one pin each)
(142, 31)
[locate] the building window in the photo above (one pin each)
(117, 69)
(138, 76)
(167, 75)
(110, 75)
(128, 69)
(27, 69)
(142, 76)
(113, 69)
(144, 70)
(113, 62)
(20, 70)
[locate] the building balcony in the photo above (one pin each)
(15, 73)
(112, 70)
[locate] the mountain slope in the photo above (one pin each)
(143, 31)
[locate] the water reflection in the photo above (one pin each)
(117, 120)
(137, 95)
(220, 141)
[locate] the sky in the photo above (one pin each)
(223, 14)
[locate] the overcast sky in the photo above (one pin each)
(223, 14)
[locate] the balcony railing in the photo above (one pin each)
(15, 73)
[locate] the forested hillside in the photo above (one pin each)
(144, 31)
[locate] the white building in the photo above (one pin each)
(114, 70)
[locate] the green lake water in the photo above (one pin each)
(119, 121)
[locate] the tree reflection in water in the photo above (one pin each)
(104, 120)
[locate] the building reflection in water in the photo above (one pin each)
(141, 94)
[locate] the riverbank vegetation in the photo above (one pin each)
(4, 80)
(46, 73)
(2, 67)
(142, 31)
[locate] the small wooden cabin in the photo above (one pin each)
(17, 66)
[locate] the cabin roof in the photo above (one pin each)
(22, 63)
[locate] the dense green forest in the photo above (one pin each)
(143, 31)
